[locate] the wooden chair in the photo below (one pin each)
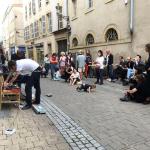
(11, 96)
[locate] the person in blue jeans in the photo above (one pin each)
(53, 64)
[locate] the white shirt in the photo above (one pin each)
(46, 60)
(100, 62)
(26, 66)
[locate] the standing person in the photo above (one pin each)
(99, 67)
(88, 62)
(109, 62)
(70, 60)
(54, 65)
(31, 70)
(81, 63)
(2, 56)
(46, 64)
(147, 67)
(62, 62)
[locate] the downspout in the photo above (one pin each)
(131, 17)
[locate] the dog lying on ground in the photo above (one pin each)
(86, 88)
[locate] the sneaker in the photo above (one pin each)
(96, 82)
(124, 99)
(109, 80)
(26, 107)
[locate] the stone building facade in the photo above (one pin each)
(122, 26)
(45, 28)
(13, 29)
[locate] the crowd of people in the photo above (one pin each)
(132, 72)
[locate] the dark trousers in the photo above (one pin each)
(110, 71)
(99, 75)
(47, 66)
(33, 80)
(53, 70)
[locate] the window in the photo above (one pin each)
(40, 3)
(26, 13)
(36, 29)
(74, 7)
(43, 24)
(74, 42)
(111, 35)
(26, 33)
(89, 39)
(33, 7)
(60, 18)
(90, 3)
(32, 30)
(30, 9)
(49, 22)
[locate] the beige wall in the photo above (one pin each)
(106, 15)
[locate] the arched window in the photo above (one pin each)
(89, 39)
(74, 42)
(111, 35)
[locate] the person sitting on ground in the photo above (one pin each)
(67, 73)
(86, 88)
(140, 93)
(121, 70)
(75, 77)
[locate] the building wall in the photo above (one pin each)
(48, 39)
(107, 14)
(13, 26)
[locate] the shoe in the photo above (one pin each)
(26, 107)
(101, 83)
(96, 82)
(125, 99)
(109, 80)
(36, 103)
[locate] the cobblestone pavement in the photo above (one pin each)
(114, 124)
(33, 132)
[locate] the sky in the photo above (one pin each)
(3, 6)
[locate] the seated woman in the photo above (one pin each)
(75, 77)
(140, 93)
(86, 88)
(67, 73)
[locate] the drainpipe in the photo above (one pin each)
(131, 16)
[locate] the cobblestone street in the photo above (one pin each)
(113, 124)
(33, 132)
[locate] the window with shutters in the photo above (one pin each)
(90, 3)
(36, 29)
(26, 13)
(43, 24)
(39, 3)
(30, 9)
(49, 16)
(74, 2)
(60, 19)
(33, 7)
(32, 30)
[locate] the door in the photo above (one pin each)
(62, 46)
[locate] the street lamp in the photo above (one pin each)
(68, 27)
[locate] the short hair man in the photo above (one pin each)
(31, 70)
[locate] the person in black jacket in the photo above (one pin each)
(109, 62)
(147, 66)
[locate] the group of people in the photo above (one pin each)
(132, 72)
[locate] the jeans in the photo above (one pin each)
(130, 73)
(53, 70)
(47, 66)
(110, 72)
(99, 75)
(33, 80)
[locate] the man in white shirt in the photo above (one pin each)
(31, 70)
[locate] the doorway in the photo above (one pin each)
(62, 46)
